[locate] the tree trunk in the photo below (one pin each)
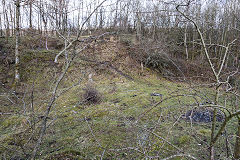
(1, 31)
(214, 120)
(17, 75)
(30, 15)
(185, 42)
(6, 20)
(237, 144)
(139, 27)
(11, 20)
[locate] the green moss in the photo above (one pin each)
(11, 121)
(185, 139)
(66, 154)
(39, 55)
(66, 140)
(204, 132)
(6, 139)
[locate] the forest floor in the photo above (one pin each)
(139, 115)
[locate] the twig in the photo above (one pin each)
(103, 154)
(169, 143)
(45, 118)
(79, 33)
(180, 155)
(158, 103)
(85, 118)
(2, 113)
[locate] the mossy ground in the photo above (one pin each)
(121, 126)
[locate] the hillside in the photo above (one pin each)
(108, 106)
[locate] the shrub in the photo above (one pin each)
(155, 55)
(91, 95)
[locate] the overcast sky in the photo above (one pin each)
(108, 6)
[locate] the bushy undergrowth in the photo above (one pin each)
(91, 95)
(160, 56)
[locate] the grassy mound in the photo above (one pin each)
(128, 123)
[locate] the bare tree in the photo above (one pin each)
(30, 14)
(17, 75)
(218, 83)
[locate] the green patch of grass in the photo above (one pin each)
(129, 100)
(85, 131)
(40, 55)
(66, 154)
(11, 121)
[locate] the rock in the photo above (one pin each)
(156, 94)
(133, 95)
(131, 118)
(204, 116)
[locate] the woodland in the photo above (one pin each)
(120, 79)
